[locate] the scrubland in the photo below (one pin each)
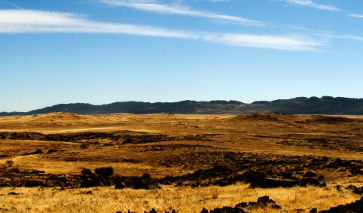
(193, 162)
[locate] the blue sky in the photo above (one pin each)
(103, 51)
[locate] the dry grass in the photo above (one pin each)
(285, 135)
(105, 199)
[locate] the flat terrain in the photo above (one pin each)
(184, 162)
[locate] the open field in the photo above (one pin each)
(194, 161)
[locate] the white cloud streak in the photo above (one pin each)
(356, 15)
(349, 37)
(153, 6)
(32, 21)
(266, 41)
(219, 0)
(312, 4)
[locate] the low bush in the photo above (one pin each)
(101, 177)
(104, 171)
(84, 145)
(10, 163)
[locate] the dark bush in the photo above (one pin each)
(143, 182)
(309, 174)
(242, 205)
(275, 206)
(33, 183)
(310, 181)
(204, 211)
(38, 151)
(10, 163)
(314, 210)
(86, 172)
(264, 201)
(104, 171)
(226, 209)
(14, 170)
(84, 145)
(355, 190)
(88, 179)
(146, 176)
(51, 151)
(152, 211)
(101, 177)
(354, 207)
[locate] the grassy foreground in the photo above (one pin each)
(186, 199)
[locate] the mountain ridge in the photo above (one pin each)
(298, 105)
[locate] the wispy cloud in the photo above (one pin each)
(337, 36)
(310, 3)
(356, 15)
(219, 0)
(154, 6)
(327, 34)
(295, 43)
(32, 21)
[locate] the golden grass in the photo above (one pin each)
(185, 199)
(231, 134)
(67, 167)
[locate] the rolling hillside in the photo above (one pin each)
(299, 105)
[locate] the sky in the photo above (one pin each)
(104, 51)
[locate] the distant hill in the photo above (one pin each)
(300, 105)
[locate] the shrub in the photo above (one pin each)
(51, 151)
(84, 145)
(14, 170)
(86, 172)
(215, 194)
(143, 182)
(33, 183)
(88, 179)
(104, 171)
(101, 177)
(146, 176)
(38, 151)
(10, 163)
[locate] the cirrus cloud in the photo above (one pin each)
(153, 6)
(312, 4)
(356, 15)
(34, 21)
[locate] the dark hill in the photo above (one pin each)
(300, 105)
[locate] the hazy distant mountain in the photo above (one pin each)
(300, 105)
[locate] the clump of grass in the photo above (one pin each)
(215, 194)
(10, 163)
(85, 145)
